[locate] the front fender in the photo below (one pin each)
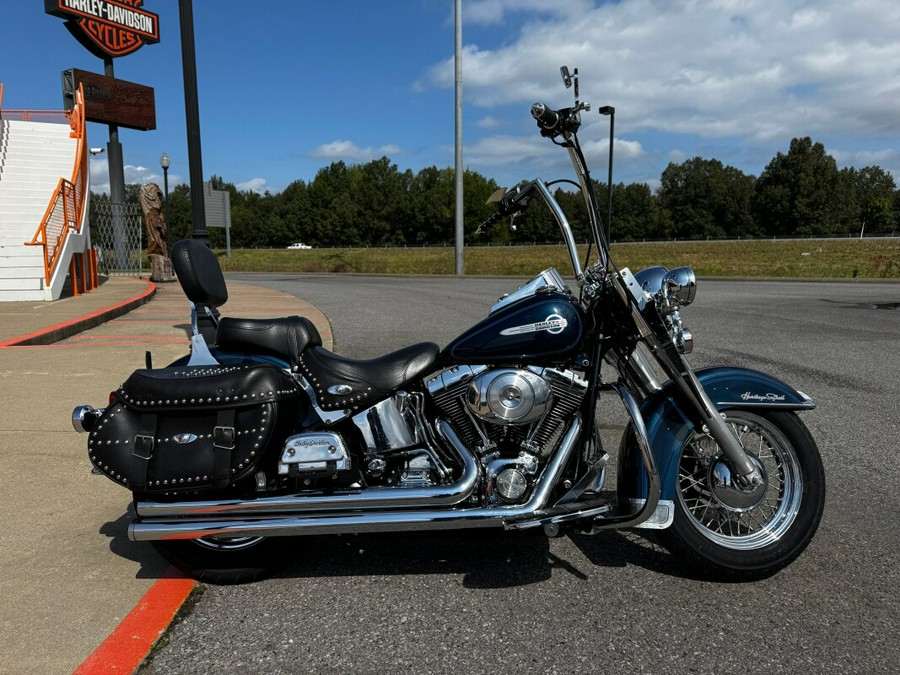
(669, 426)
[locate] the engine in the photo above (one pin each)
(511, 417)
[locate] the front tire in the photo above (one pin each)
(727, 534)
(222, 560)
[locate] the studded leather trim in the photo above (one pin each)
(365, 381)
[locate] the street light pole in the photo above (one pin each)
(459, 267)
(611, 112)
(165, 163)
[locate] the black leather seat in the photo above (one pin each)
(339, 383)
(285, 338)
(342, 383)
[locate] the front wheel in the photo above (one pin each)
(222, 560)
(729, 533)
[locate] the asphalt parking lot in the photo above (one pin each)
(614, 602)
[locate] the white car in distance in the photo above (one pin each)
(297, 246)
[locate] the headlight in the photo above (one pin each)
(680, 285)
(651, 278)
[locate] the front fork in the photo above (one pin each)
(639, 373)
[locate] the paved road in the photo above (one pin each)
(615, 602)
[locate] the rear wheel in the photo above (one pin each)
(222, 560)
(729, 533)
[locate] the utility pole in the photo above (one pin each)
(459, 159)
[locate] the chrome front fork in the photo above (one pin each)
(640, 375)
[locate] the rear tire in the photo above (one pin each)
(222, 560)
(720, 532)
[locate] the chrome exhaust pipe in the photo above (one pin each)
(374, 521)
(84, 417)
(339, 500)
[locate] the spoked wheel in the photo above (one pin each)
(222, 560)
(733, 533)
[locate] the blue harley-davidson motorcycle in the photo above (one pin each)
(262, 433)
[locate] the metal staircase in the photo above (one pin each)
(42, 211)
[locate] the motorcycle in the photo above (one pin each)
(262, 433)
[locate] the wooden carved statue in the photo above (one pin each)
(154, 220)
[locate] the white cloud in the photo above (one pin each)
(99, 171)
(348, 150)
(494, 11)
(488, 122)
(258, 185)
(754, 70)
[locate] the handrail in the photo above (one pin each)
(65, 211)
(29, 115)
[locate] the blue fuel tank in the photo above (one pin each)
(541, 328)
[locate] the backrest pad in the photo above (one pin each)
(199, 273)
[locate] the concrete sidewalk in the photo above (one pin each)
(70, 573)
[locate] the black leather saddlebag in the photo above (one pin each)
(181, 429)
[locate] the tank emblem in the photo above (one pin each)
(554, 324)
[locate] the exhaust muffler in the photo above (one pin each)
(241, 523)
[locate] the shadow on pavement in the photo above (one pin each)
(152, 565)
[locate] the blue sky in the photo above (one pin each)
(287, 87)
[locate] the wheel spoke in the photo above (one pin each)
(728, 526)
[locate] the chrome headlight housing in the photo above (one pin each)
(680, 285)
(671, 290)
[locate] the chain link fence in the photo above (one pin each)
(117, 232)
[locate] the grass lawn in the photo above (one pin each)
(818, 258)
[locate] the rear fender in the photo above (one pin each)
(669, 425)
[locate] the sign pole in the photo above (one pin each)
(110, 29)
(116, 168)
(192, 115)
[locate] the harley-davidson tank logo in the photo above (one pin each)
(116, 27)
(552, 324)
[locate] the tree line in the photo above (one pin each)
(799, 193)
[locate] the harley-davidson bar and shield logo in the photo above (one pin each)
(107, 27)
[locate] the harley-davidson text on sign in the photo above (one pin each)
(114, 27)
(112, 101)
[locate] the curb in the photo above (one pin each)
(132, 640)
(61, 331)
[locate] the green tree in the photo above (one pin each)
(292, 209)
(636, 213)
(875, 193)
(802, 192)
(703, 198)
(432, 207)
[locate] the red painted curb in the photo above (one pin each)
(69, 328)
(131, 641)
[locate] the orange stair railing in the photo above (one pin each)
(65, 212)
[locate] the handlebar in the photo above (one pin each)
(516, 202)
(546, 118)
(555, 122)
(512, 203)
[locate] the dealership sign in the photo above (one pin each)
(108, 28)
